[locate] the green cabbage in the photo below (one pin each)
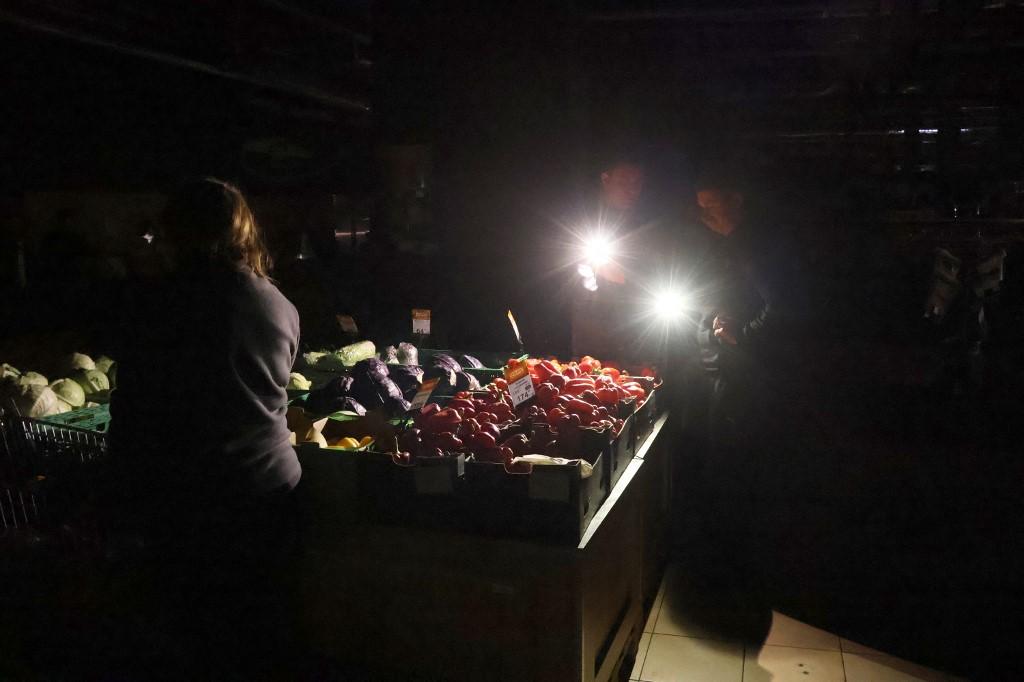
(33, 379)
(35, 401)
(297, 382)
(8, 371)
(112, 374)
(312, 358)
(69, 391)
(91, 380)
(103, 364)
(330, 362)
(78, 361)
(356, 352)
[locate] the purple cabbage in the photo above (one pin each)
(446, 360)
(408, 377)
(466, 382)
(470, 361)
(445, 375)
(371, 384)
(395, 407)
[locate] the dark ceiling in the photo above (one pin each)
(132, 94)
(299, 91)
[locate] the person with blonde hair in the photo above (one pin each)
(198, 431)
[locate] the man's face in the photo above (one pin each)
(720, 210)
(622, 185)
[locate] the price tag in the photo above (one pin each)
(423, 395)
(420, 321)
(520, 385)
(348, 324)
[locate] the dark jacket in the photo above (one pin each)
(749, 278)
(199, 408)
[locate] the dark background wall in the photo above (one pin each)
(470, 131)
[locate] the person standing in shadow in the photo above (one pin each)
(742, 283)
(200, 445)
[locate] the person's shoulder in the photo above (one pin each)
(265, 291)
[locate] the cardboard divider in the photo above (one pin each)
(622, 450)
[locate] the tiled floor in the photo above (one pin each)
(674, 649)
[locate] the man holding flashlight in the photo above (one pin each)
(743, 333)
(606, 235)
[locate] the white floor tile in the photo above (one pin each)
(789, 664)
(671, 622)
(641, 654)
(884, 668)
(788, 631)
(688, 659)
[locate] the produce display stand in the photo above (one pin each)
(400, 602)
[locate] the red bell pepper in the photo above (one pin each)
(490, 428)
(462, 403)
(590, 396)
(635, 389)
(502, 412)
(546, 395)
(555, 414)
(558, 380)
(445, 420)
(608, 396)
(445, 441)
(577, 386)
(569, 422)
(519, 444)
(468, 427)
(571, 372)
(546, 369)
(481, 440)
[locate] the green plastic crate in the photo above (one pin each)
(96, 419)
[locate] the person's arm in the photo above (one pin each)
(767, 316)
(767, 279)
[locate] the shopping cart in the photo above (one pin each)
(48, 484)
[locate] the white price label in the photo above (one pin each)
(521, 390)
(423, 395)
(420, 321)
(520, 385)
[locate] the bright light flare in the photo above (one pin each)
(598, 249)
(670, 305)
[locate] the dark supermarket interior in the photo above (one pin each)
(797, 224)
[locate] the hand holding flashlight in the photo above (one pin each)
(598, 251)
(724, 328)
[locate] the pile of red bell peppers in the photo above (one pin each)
(483, 424)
